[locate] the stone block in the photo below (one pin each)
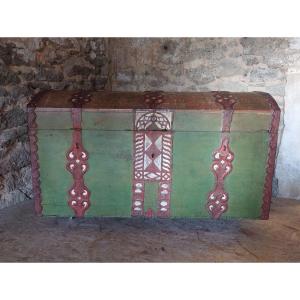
(7, 137)
(13, 118)
(201, 75)
(23, 181)
(263, 46)
(276, 89)
(231, 84)
(18, 158)
(77, 66)
(252, 60)
(294, 43)
(265, 74)
(8, 77)
(3, 92)
(12, 198)
(49, 74)
(229, 67)
(10, 180)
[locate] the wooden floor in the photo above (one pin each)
(27, 238)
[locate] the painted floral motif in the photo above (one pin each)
(80, 98)
(154, 98)
(222, 165)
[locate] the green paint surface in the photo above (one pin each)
(109, 176)
(107, 120)
(192, 178)
(151, 196)
(54, 120)
(246, 181)
(250, 121)
(109, 143)
(197, 121)
(55, 179)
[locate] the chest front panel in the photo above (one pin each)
(153, 162)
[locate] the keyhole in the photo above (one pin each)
(152, 155)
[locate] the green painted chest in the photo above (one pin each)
(153, 154)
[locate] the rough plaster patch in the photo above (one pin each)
(288, 163)
(294, 43)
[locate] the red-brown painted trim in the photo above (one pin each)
(217, 199)
(77, 157)
(270, 167)
(227, 101)
(171, 100)
(153, 99)
(80, 98)
(35, 99)
(32, 130)
(33, 143)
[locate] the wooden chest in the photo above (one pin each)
(153, 154)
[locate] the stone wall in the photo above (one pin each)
(201, 64)
(173, 64)
(26, 67)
